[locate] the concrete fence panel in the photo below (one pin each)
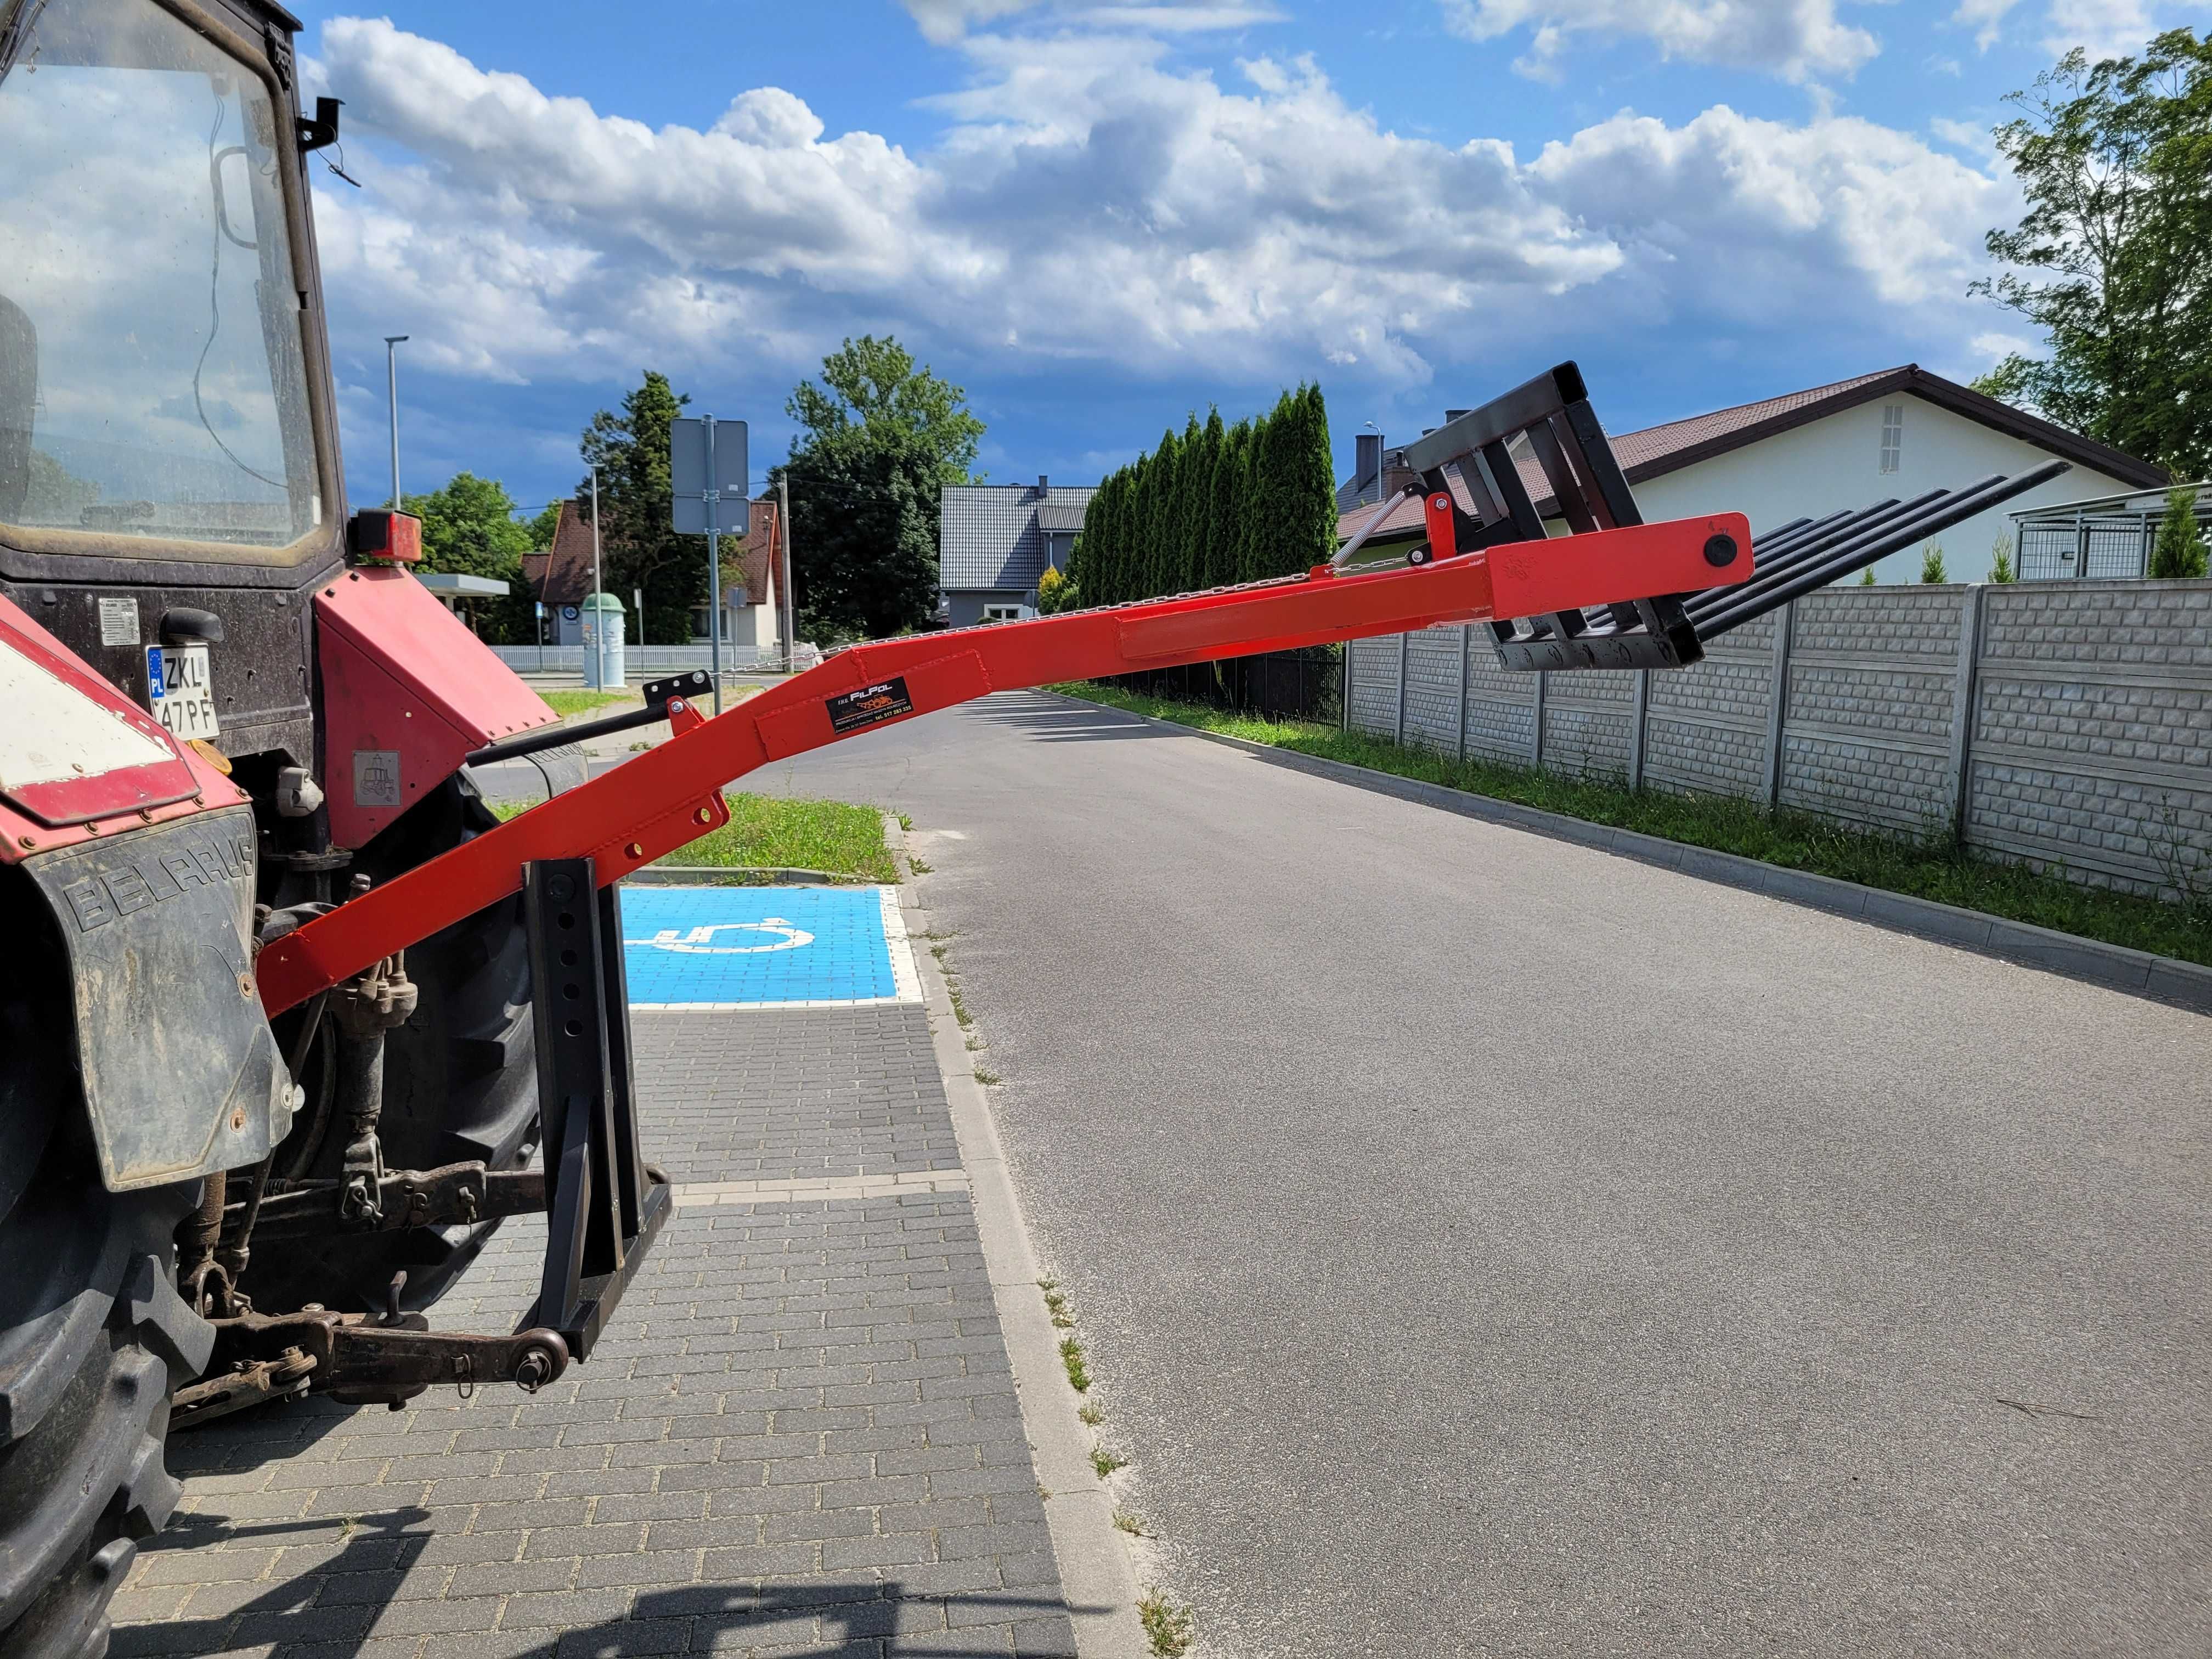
(2066, 723)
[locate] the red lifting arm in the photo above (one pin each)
(672, 794)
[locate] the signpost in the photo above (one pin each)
(707, 467)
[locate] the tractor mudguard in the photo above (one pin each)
(181, 1072)
(144, 853)
(408, 694)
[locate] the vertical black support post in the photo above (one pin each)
(629, 1171)
(601, 1210)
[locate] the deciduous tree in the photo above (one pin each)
(2114, 159)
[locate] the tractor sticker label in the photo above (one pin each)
(118, 622)
(886, 700)
(376, 777)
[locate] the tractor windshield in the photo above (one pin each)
(153, 387)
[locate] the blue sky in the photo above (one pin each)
(1099, 216)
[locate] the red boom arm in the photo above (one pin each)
(672, 794)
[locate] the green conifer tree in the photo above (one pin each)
(2180, 551)
(1221, 522)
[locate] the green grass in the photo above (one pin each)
(1105, 1460)
(1091, 1412)
(1056, 1304)
(1125, 1522)
(1079, 1372)
(776, 833)
(1167, 1625)
(565, 703)
(1932, 868)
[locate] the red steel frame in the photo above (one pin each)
(671, 793)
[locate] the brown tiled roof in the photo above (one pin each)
(563, 574)
(1658, 450)
(751, 567)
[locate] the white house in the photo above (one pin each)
(752, 597)
(1896, 434)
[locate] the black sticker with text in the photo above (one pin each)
(886, 700)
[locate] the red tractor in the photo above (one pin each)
(288, 1018)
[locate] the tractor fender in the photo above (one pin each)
(408, 694)
(144, 852)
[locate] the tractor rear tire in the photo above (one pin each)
(94, 1336)
(460, 1082)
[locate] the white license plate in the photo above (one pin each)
(180, 690)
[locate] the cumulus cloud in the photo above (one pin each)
(1085, 200)
(2103, 28)
(1797, 40)
(1985, 17)
(1731, 217)
(947, 20)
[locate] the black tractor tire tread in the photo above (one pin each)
(82, 1474)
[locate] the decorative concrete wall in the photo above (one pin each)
(2066, 723)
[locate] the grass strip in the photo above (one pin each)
(1935, 867)
(565, 703)
(777, 832)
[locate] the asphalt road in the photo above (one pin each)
(1486, 1245)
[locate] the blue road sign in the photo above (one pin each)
(766, 947)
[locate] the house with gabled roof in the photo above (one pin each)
(1897, 433)
(994, 541)
(560, 578)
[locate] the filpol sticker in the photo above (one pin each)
(886, 700)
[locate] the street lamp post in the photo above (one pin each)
(391, 344)
(598, 615)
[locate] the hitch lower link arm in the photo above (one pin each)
(671, 793)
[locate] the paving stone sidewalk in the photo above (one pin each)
(801, 1436)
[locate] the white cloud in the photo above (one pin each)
(1985, 17)
(944, 21)
(1973, 139)
(2103, 28)
(1838, 222)
(1797, 40)
(1085, 203)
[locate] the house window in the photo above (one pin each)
(1892, 435)
(1002, 613)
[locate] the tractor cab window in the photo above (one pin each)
(152, 386)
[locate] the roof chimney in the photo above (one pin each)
(1366, 465)
(1043, 483)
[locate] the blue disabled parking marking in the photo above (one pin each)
(766, 947)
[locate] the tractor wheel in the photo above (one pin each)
(460, 1084)
(94, 1335)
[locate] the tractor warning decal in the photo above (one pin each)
(886, 700)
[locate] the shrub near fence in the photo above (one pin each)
(2066, 724)
(1307, 684)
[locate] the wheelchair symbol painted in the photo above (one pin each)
(699, 942)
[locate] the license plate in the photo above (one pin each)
(181, 691)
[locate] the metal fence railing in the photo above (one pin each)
(1306, 684)
(2107, 539)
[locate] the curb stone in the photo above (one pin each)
(1097, 1572)
(2114, 967)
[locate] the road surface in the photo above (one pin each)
(1489, 1245)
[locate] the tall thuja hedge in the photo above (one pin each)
(1215, 504)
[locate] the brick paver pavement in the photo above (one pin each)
(800, 1436)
